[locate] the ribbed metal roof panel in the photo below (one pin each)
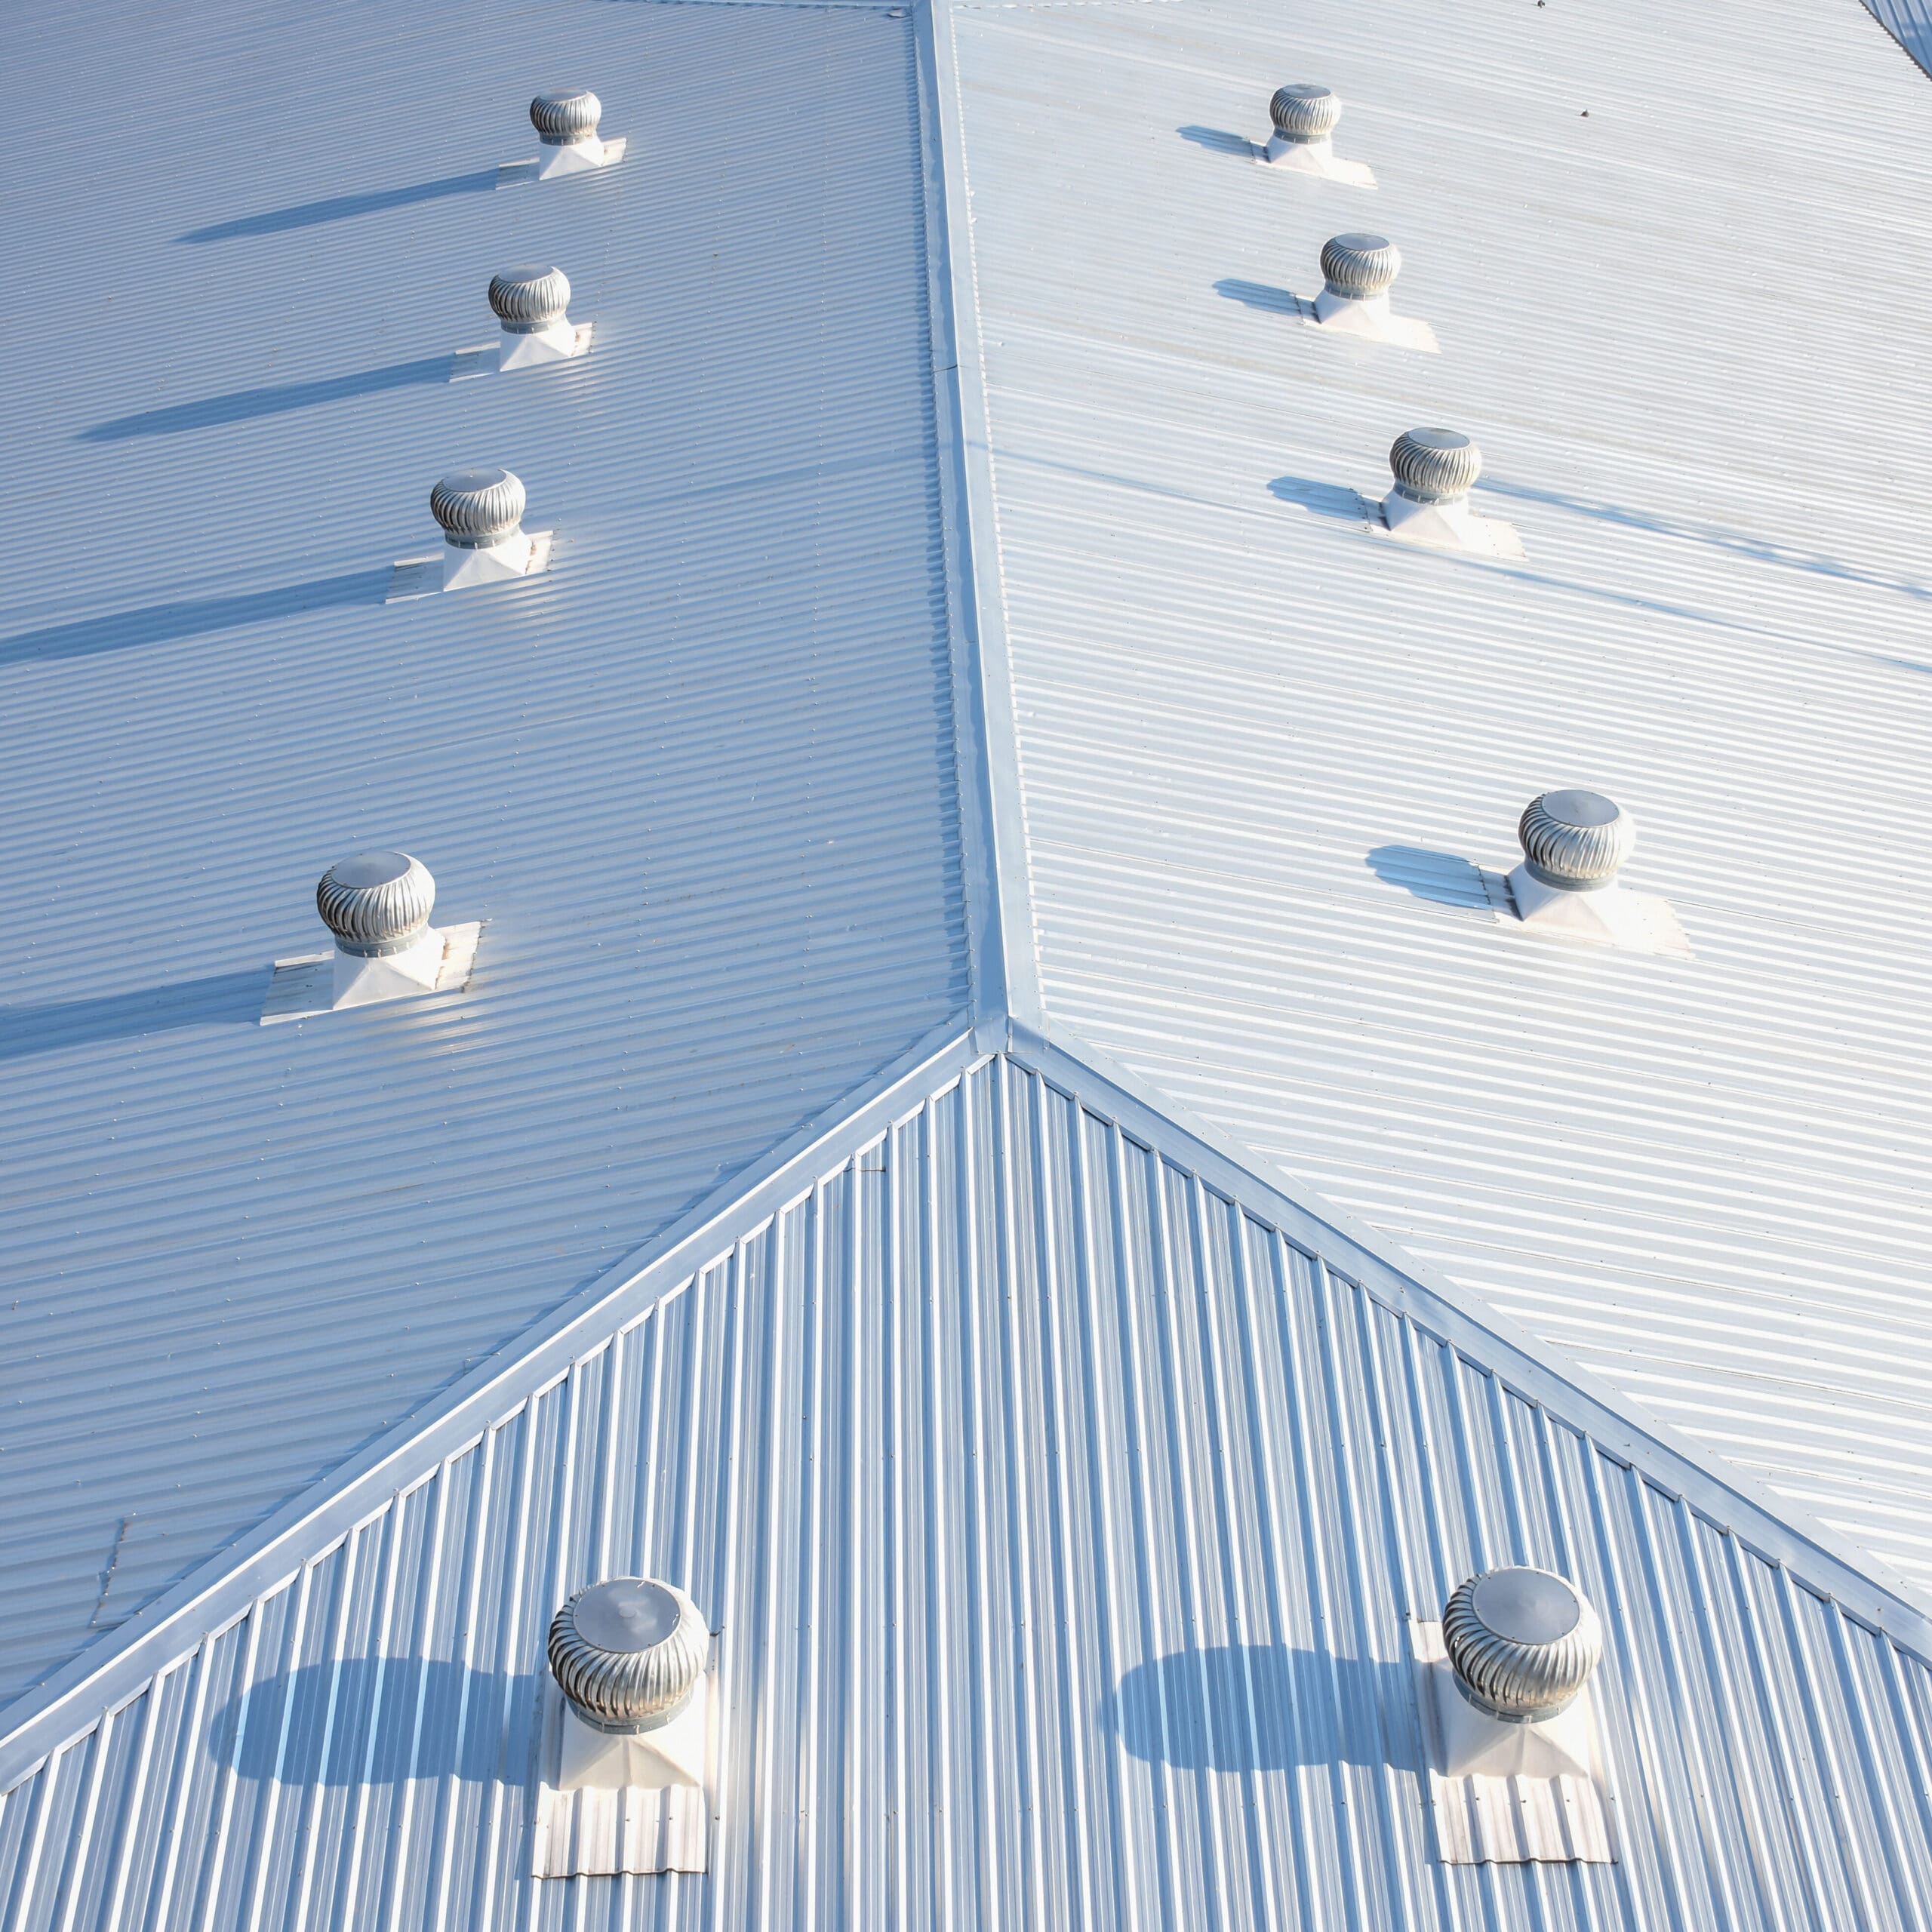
(699, 780)
(1061, 1517)
(1909, 22)
(1267, 756)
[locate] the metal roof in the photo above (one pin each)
(1062, 1498)
(698, 781)
(1266, 756)
(1910, 22)
(937, 659)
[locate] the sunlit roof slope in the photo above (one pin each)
(1267, 756)
(1062, 1498)
(698, 781)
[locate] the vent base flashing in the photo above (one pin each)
(498, 563)
(1370, 317)
(527, 554)
(1449, 526)
(1510, 1794)
(607, 1805)
(357, 982)
(1611, 916)
(1315, 158)
(314, 984)
(562, 342)
(580, 158)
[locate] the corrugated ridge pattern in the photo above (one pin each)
(1061, 1520)
(1267, 755)
(1909, 22)
(699, 780)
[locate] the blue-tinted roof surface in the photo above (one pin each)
(698, 781)
(1064, 1503)
(921, 826)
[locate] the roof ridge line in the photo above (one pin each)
(1002, 942)
(1782, 1532)
(69, 1701)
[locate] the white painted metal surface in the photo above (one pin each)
(1065, 1524)
(1269, 757)
(1509, 1794)
(698, 779)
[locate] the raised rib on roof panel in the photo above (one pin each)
(1266, 756)
(1061, 1519)
(1909, 22)
(699, 780)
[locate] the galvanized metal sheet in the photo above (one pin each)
(1064, 1522)
(1909, 22)
(698, 779)
(1269, 756)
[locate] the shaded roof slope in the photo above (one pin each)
(1061, 1498)
(699, 780)
(1265, 756)
(1910, 23)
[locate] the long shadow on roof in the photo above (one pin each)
(166, 624)
(1221, 140)
(48, 1026)
(1261, 295)
(1260, 1707)
(244, 405)
(1758, 549)
(1443, 878)
(343, 207)
(1308, 493)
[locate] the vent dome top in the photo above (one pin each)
(478, 508)
(1435, 465)
(1576, 841)
(1522, 1642)
(526, 300)
(1302, 112)
(628, 1652)
(1358, 266)
(563, 116)
(376, 904)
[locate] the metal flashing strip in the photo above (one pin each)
(1003, 946)
(1817, 1556)
(107, 1674)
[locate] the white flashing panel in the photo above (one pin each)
(607, 1805)
(1510, 1794)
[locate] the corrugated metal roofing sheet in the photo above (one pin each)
(1909, 22)
(699, 780)
(1062, 1514)
(1266, 756)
